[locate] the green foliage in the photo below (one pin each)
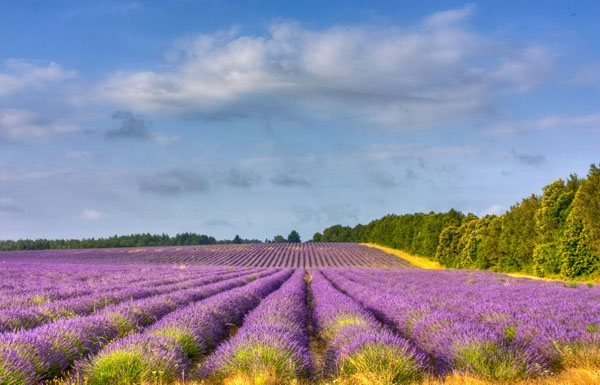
(12, 376)
(518, 237)
(293, 237)
(279, 239)
(379, 364)
(133, 240)
(580, 241)
(259, 364)
(185, 339)
(491, 362)
(121, 368)
(555, 233)
(551, 221)
(546, 259)
(448, 247)
(416, 233)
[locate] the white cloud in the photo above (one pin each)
(91, 214)
(20, 75)
(431, 73)
(591, 121)
(20, 123)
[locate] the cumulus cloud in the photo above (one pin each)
(174, 182)
(20, 75)
(91, 214)
(424, 75)
(21, 123)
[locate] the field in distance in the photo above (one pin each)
(250, 255)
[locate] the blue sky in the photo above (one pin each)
(256, 117)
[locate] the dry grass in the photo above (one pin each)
(422, 262)
(573, 376)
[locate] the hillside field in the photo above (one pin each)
(336, 313)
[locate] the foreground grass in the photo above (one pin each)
(573, 376)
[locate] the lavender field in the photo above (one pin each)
(282, 314)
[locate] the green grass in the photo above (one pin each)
(121, 323)
(379, 365)
(185, 339)
(11, 377)
(491, 362)
(259, 365)
(333, 328)
(124, 367)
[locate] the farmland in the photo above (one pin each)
(283, 314)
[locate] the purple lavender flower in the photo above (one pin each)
(357, 344)
(273, 340)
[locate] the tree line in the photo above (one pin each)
(134, 240)
(553, 234)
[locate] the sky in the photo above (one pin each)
(259, 117)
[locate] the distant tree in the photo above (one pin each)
(279, 239)
(294, 237)
(317, 237)
(237, 239)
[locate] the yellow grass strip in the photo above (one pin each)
(422, 262)
(572, 376)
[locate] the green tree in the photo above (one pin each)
(551, 220)
(580, 243)
(294, 237)
(519, 236)
(279, 239)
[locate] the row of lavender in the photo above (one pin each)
(22, 317)
(50, 350)
(294, 255)
(481, 323)
(372, 324)
(397, 326)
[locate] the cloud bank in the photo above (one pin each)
(429, 74)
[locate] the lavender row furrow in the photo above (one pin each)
(13, 319)
(353, 335)
(69, 289)
(47, 351)
(455, 343)
(171, 344)
(274, 336)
